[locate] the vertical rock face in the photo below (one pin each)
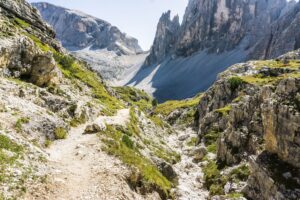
(284, 35)
(222, 25)
(253, 111)
(77, 31)
(166, 36)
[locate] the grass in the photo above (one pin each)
(211, 174)
(234, 195)
(292, 64)
(132, 125)
(6, 144)
(168, 156)
(215, 181)
(60, 133)
(76, 71)
(225, 110)
(241, 173)
(157, 121)
(166, 108)
(192, 142)
(135, 97)
(212, 148)
(20, 122)
(131, 156)
(211, 137)
(21, 23)
(260, 81)
(42, 46)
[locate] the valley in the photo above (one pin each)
(210, 112)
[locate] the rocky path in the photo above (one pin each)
(79, 170)
(190, 176)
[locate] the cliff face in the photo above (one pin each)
(252, 114)
(283, 35)
(218, 26)
(77, 31)
(165, 38)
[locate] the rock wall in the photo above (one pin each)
(219, 25)
(254, 110)
(166, 36)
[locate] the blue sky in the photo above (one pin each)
(137, 18)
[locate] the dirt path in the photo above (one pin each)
(79, 170)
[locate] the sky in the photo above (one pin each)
(137, 18)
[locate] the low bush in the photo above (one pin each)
(60, 133)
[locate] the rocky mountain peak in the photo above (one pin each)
(77, 30)
(218, 26)
(166, 36)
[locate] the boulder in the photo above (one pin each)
(92, 129)
(199, 154)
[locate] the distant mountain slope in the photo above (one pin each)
(214, 35)
(77, 30)
(108, 51)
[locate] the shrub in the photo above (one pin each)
(241, 173)
(235, 82)
(154, 102)
(127, 141)
(60, 133)
(48, 143)
(211, 174)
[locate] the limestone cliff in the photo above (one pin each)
(252, 113)
(166, 37)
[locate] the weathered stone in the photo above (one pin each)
(92, 129)
(199, 154)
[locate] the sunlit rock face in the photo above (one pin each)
(217, 26)
(77, 30)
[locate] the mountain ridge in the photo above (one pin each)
(86, 30)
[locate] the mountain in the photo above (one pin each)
(214, 35)
(108, 50)
(62, 127)
(77, 30)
